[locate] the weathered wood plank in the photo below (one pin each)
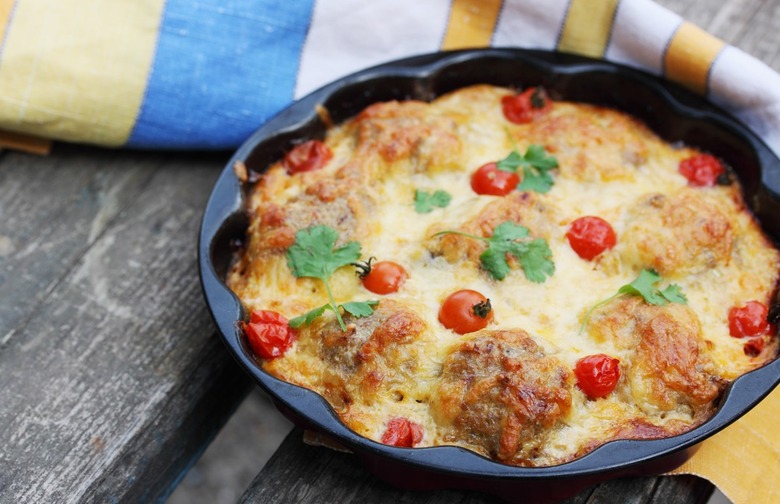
(312, 475)
(52, 209)
(113, 379)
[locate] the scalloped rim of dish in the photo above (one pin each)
(426, 76)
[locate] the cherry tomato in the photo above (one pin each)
(402, 432)
(749, 320)
(701, 170)
(597, 375)
(308, 156)
(589, 236)
(465, 311)
(488, 179)
(526, 106)
(384, 277)
(753, 347)
(269, 334)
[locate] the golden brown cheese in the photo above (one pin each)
(508, 391)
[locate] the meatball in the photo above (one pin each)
(501, 395)
(524, 208)
(408, 131)
(374, 355)
(676, 235)
(667, 369)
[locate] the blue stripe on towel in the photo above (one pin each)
(239, 58)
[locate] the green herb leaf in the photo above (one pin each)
(537, 261)
(535, 255)
(313, 255)
(536, 165)
(644, 285)
(674, 295)
(425, 202)
(359, 309)
(308, 317)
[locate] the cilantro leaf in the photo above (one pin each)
(673, 294)
(537, 261)
(359, 309)
(425, 202)
(644, 285)
(313, 255)
(511, 163)
(308, 317)
(535, 256)
(536, 165)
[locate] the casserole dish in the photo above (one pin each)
(674, 114)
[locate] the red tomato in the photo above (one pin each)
(597, 375)
(702, 170)
(526, 106)
(385, 277)
(753, 347)
(590, 236)
(749, 320)
(401, 432)
(269, 334)
(308, 156)
(465, 311)
(488, 179)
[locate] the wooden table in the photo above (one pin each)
(113, 380)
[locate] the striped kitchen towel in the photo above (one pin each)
(204, 74)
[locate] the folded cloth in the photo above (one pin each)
(201, 75)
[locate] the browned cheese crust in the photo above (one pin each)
(509, 391)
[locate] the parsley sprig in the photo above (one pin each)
(536, 165)
(313, 256)
(644, 285)
(425, 202)
(510, 238)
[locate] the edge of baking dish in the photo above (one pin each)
(672, 112)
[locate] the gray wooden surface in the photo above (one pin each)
(112, 380)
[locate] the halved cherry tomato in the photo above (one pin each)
(597, 375)
(269, 334)
(308, 156)
(465, 311)
(701, 170)
(402, 432)
(384, 277)
(488, 179)
(526, 106)
(589, 236)
(749, 320)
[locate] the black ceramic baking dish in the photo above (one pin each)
(673, 113)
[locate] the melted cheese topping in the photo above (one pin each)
(610, 165)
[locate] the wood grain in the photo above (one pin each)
(113, 377)
(310, 474)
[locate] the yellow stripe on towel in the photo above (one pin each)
(471, 23)
(587, 27)
(41, 94)
(690, 55)
(6, 7)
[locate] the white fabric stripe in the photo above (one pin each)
(750, 90)
(632, 43)
(350, 35)
(535, 25)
